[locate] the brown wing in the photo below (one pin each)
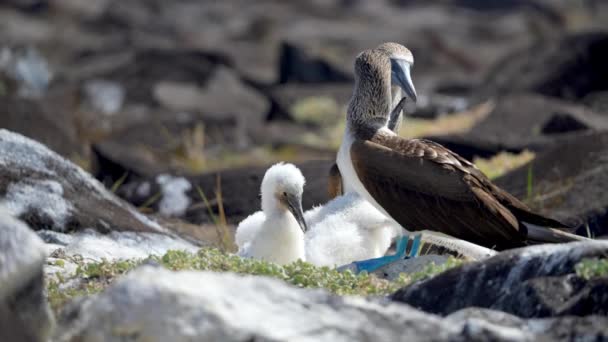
(423, 185)
(334, 184)
(517, 207)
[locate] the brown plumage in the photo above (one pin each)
(334, 185)
(423, 185)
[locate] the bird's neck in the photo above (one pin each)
(271, 207)
(369, 107)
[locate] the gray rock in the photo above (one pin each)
(407, 266)
(104, 96)
(568, 183)
(240, 190)
(569, 67)
(534, 281)
(484, 324)
(154, 304)
(158, 305)
(91, 246)
(525, 121)
(28, 69)
(49, 192)
(46, 120)
(22, 299)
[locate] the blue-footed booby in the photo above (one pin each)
(419, 183)
(276, 233)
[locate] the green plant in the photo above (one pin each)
(529, 181)
(93, 277)
(119, 182)
(592, 268)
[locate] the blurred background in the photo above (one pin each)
(150, 95)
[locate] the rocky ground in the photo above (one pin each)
(130, 130)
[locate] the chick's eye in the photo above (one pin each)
(285, 194)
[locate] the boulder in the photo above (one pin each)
(163, 142)
(524, 121)
(325, 102)
(569, 67)
(24, 312)
(300, 66)
(535, 281)
(154, 304)
(568, 182)
(408, 266)
(49, 192)
(92, 246)
(224, 96)
(484, 324)
(42, 120)
(159, 305)
(240, 189)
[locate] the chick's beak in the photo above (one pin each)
(294, 203)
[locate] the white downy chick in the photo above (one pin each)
(276, 234)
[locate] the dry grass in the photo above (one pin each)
(447, 124)
(225, 237)
(503, 162)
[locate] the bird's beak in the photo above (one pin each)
(294, 203)
(400, 74)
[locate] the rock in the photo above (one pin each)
(569, 68)
(147, 67)
(568, 183)
(292, 97)
(223, 97)
(49, 192)
(94, 246)
(483, 324)
(50, 123)
(28, 69)
(598, 101)
(408, 266)
(105, 97)
(24, 311)
(174, 200)
(534, 281)
(300, 66)
(240, 189)
(147, 302)
(524, 121)
(154, 304)
(91, 246)
(161, 143)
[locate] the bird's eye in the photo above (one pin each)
(285, 194)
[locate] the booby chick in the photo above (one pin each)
(343, 230)
(276, 234)
(347, 229)
(419, 183)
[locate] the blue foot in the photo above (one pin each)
(371, 265)
(415, 246)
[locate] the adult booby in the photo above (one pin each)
(276, 233)
(419, 183)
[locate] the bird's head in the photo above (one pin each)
(376, 70)
(402, 61)
(282, 189)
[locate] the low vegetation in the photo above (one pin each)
(93, 277)
(592, 268)
(503, 162)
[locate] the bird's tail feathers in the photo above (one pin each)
(552, 235)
